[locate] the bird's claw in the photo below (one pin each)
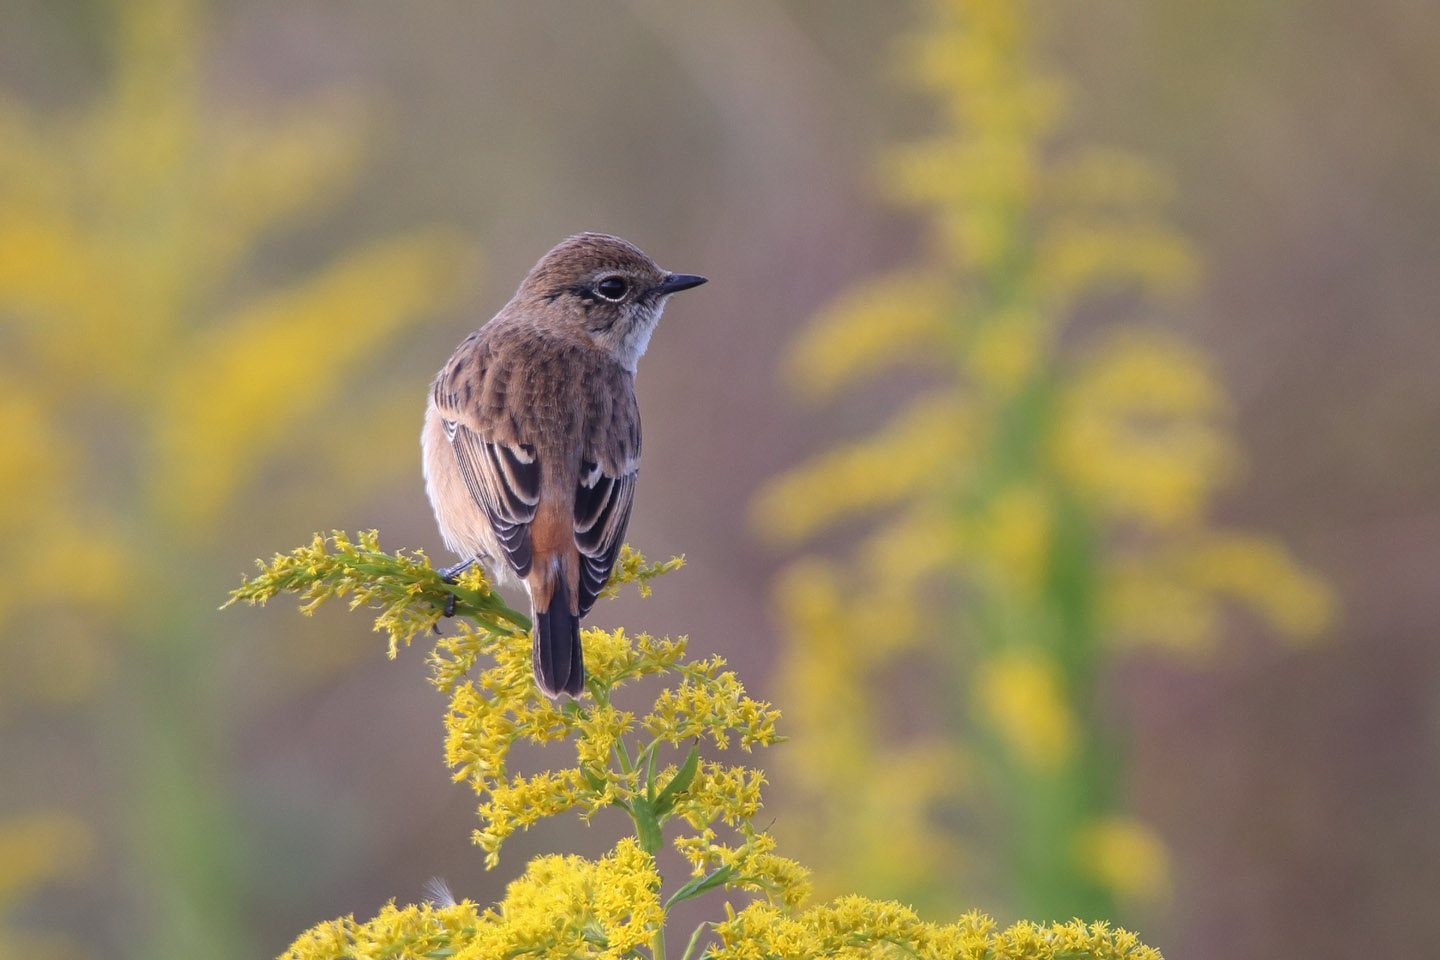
(452, 573)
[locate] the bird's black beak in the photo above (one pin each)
(677, 282)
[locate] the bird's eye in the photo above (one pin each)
(612, 288)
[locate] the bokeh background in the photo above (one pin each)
(237, 238)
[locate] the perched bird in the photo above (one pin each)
(532, 435)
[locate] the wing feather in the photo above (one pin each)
(602, 512)
(504, 480)
(493, 414)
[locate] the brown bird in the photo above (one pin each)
(532, 436)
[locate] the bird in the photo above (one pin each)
(531, 443)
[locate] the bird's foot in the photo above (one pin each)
(452, 574)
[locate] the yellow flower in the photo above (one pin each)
(1137, 430)
(709, 701)
(1261, 574)
(1173, 596)
(728, 793)
(1044, 500)
(1012, 540)
(567, 906)
(1003, 353)
(1126, 856)
(417, 930)
(861, 928)
(252, 381)
(517, 803)
(888, 321)
(1085, 257)
(1021, 697)
(151, 374)
(922, 451)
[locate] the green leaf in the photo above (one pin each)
(647, 825)
(649, 758)
(597, 782)
(678, 784)
(700, 885)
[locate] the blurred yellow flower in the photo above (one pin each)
(1044, 499)
(1138, 430)
(1011, 542)
(1023, 701)
(892, 319)
(160, 357)
(1259, 573)
(922, 451)
(1003, 353)
(1126, 856)
(245, 385)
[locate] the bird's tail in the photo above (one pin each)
(558, 660)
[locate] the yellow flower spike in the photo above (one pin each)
(1013, 540)
(1082, 258)
(1145, 604)
(1260, 573)
(599, 734)
(236, 397)
(1173, 596)
(891, 320)
(631, 567)
(731, 794)
(715, 704)
(612, 908)
(921, 452)
(124, 226)
(1021, 698)
(1102, 178)
(1003, 354)
(1126, 856)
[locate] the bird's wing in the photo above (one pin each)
(602, 512)
(605, 491)
(504, 479)
(498, 465)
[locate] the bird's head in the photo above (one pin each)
(606, 286)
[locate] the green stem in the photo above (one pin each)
(624, 755)
(183, 822)
(647, 825)
(694, 939)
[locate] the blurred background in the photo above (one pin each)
(1057, 442)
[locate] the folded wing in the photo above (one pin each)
(504, 479)
(602, 512)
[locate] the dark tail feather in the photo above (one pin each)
(559, 663)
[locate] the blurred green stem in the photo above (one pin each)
(184, 828)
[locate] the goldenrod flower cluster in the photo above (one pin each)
(617, 906)
(486, 669)
(411, 595)
(1041, 503)
(856, 927)
(157, 361)
(561, 906)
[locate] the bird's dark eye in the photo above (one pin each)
(612, 288)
